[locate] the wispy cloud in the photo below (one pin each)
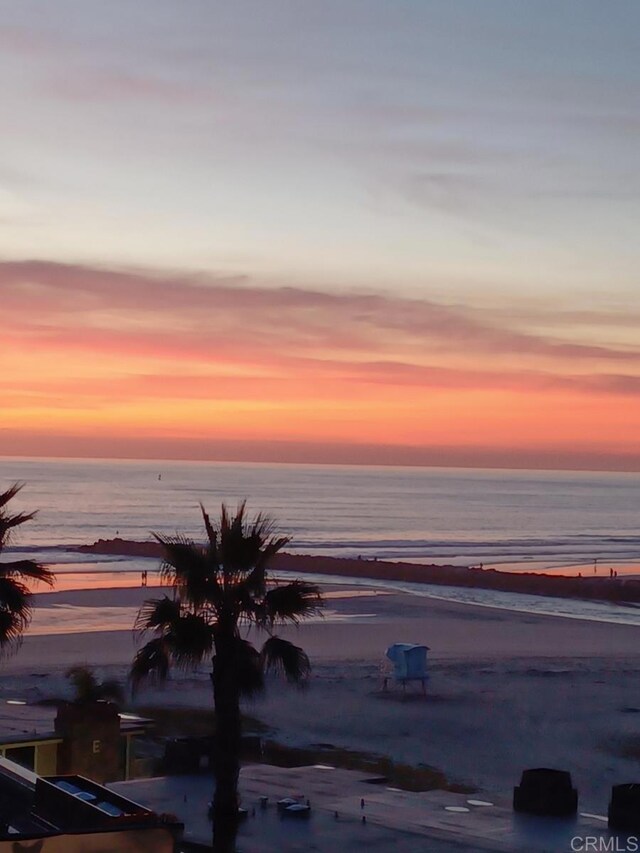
(120, 85)
(79, 306)
(27, 40)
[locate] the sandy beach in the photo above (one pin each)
(507, 690)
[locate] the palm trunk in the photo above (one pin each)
(226, 696)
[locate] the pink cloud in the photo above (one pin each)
(115, 85)
(136, 311)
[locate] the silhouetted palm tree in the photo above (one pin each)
(15, 576)
(88, 689)
(219, 589)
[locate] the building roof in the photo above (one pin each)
(402, 821)
(34, 807)
(21, 723)
(17, 795)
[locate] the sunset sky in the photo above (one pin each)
(350, 231)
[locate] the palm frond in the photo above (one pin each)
(26, 570)
(9, 522)
(227, 522)
(254, 585)
(15, 612)
(84, 683)
(11, 629)
(282, 657)
(151, 662)
(256, 579)
(292, 602)
(212, 534)
(157, 613)
(10, 493)
(111, 691)
(15, 598)
(241, 544)
(180, 556)
(191, 568)
(89, 689)
(239, 547)
(189, 640)
(272, 546)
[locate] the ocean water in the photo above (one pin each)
(518, 519)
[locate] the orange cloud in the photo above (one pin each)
(115, 359)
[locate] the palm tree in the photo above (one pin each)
(16, 576)
(88, 689)
(220, 588)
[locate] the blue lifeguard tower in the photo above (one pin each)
(409, 662)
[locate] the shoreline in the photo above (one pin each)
(352, 626)
(620, 590)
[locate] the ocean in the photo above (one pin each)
(520, 520)
(460, 516)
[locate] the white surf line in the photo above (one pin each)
(455, 595)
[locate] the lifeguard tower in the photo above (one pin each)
(405, 662)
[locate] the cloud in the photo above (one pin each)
(328, 380)
(202, 317)
(116, 85)
(117, 353)
(26, 40)
(133, 360)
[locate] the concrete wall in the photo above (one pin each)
(128, 841)
(46, 759)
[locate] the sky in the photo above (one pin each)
(399, 232)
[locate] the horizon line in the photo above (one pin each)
(461, 465)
